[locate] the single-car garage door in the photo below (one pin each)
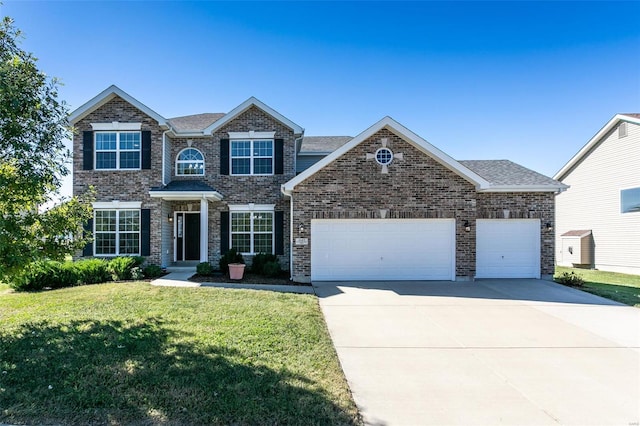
(508, 248)
(382, 249)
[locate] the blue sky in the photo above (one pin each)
(527, 81)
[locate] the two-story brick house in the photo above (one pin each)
(383, 205)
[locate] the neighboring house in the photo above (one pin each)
(598, 217)
(385, 204)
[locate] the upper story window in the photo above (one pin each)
(630, 200)
(117, 150)
(190, 161)
(252, 157)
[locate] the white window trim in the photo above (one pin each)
(117, 150)
(117, 204)
(252, 233)
(116, 126)
(251, 157)
(251, 207)
(204, 166)
(251, 135)
(117, 232)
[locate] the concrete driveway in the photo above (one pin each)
(518, 352)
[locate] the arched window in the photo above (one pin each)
(190, 161)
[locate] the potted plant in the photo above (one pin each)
(236, 271)
(232, 262)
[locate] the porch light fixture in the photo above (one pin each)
(549, 226)
(170, 217)
(467, 227)
(301, 229)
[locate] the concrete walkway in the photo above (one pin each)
(181, 279)
(515, 352)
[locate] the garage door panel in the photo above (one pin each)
(508, 248)
(362, 249)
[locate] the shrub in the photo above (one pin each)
(46, 274)
(152, 271)
(139, 260)
(231, 256)
(204, 268)
(271, 269)
(92, 271)
(120, 268)
(136, 273)
(570, 278)
(259, 262)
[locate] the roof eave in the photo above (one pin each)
(412, 138)
(252, 101)
(105, 96)
(566, 169)
(525, 188)
(186, 195)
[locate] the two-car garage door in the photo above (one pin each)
(420, 249)
(382, 249)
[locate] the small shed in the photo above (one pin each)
(577, 248)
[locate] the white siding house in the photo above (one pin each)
(604, 197)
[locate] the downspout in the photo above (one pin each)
(291, 238)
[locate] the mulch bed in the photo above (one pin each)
(249, 278)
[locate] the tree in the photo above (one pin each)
(33, 161)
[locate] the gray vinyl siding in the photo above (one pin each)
(593, 202)
(169, 162)
(166, 241)
(303, 162)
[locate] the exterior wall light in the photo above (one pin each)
(549, 226)
(467, 227)
(301, 229)
(170, 217)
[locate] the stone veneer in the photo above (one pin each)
(416, 187)
(135, 185)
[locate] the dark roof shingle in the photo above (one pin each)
(196, 122)
(505, 172)
(185, 185)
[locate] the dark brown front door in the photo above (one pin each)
(187, 236)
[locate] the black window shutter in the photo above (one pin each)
(279, 232)
(87, 150)
(224, 156)
(224, 232)
(146, 149)
(145, 232)
(88, 230)
(279, 156)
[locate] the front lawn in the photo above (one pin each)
(131, 353)
(622, 288)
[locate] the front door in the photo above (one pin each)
(187, 236)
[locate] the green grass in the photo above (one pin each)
(622, 288)
(131, 353)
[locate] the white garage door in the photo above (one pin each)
(382, 249)
(508, 248)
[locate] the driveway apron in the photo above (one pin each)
(516, 352)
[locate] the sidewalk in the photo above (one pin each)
(181, 279)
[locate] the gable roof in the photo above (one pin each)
(507, 174)
(195, 122)
(315, 145)
(406, 134)
(252, 101)
(586, 149)
(105, 96)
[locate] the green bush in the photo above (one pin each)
(259, 262)
(152, 271)
(571, 279)
(231, 256)
(120, 268)
(136, 273)
(204, 268)
(92, 271)
(271, 269)
(46, 274)
(138, 260)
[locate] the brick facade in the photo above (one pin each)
(415, 187)
(134, 185)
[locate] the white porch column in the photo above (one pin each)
(204, 230)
